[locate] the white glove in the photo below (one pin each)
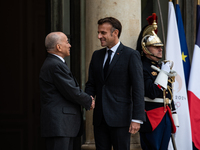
(166, 67)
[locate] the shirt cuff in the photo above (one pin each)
(137, 121)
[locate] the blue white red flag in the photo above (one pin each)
(193, 88)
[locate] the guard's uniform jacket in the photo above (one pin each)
(154, 110)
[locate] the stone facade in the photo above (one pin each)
(131, 26)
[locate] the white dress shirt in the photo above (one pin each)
(59, 57)
(113, 49)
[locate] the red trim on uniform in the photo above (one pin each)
(170, 115)
(159, 86)
(155, 117)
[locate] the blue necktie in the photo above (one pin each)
(106, 66)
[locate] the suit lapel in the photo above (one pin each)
(115, 58)
(70, 73)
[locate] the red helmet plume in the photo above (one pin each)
(151, 18)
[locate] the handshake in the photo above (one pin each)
(93, 103)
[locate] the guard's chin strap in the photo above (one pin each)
(157, 57)
(154, 56)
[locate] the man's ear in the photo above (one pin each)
(116, 32)
(58, 47)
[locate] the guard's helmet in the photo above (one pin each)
(148, 36)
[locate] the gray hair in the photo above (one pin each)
(51, 40)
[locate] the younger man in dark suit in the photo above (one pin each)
(116, 79)
(61, 97)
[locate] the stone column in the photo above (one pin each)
(129, 14)
(56, 10)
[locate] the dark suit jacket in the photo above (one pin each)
(61, 99)
(120, 96)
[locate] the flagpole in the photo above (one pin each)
(163, 32)
(176, 1)
(198, 2)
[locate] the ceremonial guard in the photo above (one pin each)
(155, 133)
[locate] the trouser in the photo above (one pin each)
(106, 137)
(159, 138)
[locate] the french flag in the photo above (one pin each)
(183, 137)
(193, 88)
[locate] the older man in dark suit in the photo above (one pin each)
(61, 97)
(116, 79)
